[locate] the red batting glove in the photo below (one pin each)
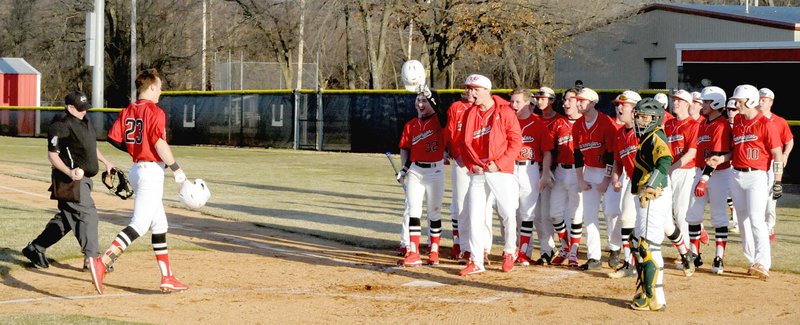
(700, 189)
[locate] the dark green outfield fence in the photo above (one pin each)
(333, 120)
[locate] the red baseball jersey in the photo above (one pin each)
(594, 142)
(139, 126)
(779, 125)
(536, 139)
(455, 116)
(424, 138)
(667, 117)
(682, 136)
(752, 142)
(626, 143)
(713, 136)
(561, 131)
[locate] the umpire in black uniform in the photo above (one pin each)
(72, 151)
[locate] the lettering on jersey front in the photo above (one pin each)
(479, 133)
(703, 138)
(421, 137)
(590, 145)
(134, 128)
(677, 137)
(564, 140)
(527, 139)
(458, 126)
(627, 151)
(744, 138)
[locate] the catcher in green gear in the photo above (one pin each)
(654, 204)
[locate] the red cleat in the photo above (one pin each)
(433, 258)
(560, 257)
(411, 259)
(523, 260)
(98, 273)
(455, 252)
(171, 284)
(471, 268)
(508, 262)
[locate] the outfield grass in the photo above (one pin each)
(345, 197)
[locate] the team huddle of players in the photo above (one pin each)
(652, 171)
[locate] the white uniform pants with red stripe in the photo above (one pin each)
(591, 211)
(505, 190)
(681, 180)
(750, 191)
(717, 191)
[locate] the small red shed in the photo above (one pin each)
(21, 87)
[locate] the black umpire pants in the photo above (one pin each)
(79, 217)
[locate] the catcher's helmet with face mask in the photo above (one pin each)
(647, 106)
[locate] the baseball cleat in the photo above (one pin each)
(760, 271)
(698, 260)
(401, 251)
(560, 258)
(433, 258)
(36, 257)
(508, 262)
(544, 260)
(171, 284)
(642, 302)
(572, 260)
(591, 264)
(626, 271)
(686, 264)
(471, 268)
(411, 259)
(717, 267)
(464, 258)
(98, 272)
(523, 260)
(455, 252)
(613, 259)
(703, 236)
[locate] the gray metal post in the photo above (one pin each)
(296, 119)
(320, 119)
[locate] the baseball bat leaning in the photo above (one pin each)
(389, 156)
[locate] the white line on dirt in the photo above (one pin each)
(24, 192)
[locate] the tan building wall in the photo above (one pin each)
(617, 56)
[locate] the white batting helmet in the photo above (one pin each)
(194, 194)
(748, 92)
(662, 98)
(413, 75)
(716, 95)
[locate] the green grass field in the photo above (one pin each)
(345, 197)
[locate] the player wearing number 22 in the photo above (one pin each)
(140, 130)
(422, 146)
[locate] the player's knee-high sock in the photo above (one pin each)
(525, 234)
(677, 240)
(435, 232)
(722, 240)
(159, 242)
(575, 233)
(561, 230)
(414, 231)
(626, 244)
(455, 233)
(123, 240)
(694, 238)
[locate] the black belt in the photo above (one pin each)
(425, 165)
(524, 162)
(567, 166)
(746, 169)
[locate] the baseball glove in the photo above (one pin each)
(122, 187)
(648, 194)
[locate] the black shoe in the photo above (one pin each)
(698, 260)
(718, 266)
(613, 259)
(36, 257)
(545, 259)
(591, 264)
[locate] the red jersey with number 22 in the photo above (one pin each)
(752, 142)
(139, 126)
(424, 138)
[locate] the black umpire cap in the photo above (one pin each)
(77, 99)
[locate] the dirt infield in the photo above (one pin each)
(252, 274)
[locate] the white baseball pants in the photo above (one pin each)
(565, 197)
(147, 180)
(681, 180)
(750, 191)
(506, 193)
(650, 223)
(591, 211)
(717, 192)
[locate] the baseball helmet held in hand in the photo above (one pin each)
(194, 194)
(413, 74)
